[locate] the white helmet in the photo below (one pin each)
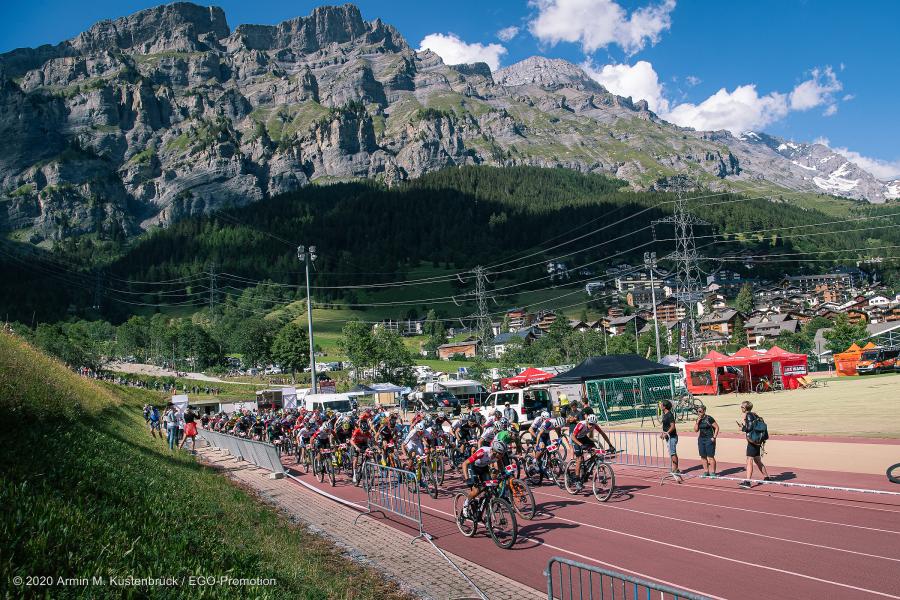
(545, 415)
(560, 422)
(420, 426)
(592, 419)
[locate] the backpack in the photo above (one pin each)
(757, 430)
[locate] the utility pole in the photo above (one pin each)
(688, 272)
(650, 262)
(307, 258)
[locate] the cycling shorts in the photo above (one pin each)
(579, 445)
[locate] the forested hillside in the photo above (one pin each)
(447, 221)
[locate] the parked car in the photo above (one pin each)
(435, 401)
(528, 402)
(274, 370)
(469, 392)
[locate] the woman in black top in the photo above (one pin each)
(708, 430)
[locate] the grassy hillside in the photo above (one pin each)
(87, 492)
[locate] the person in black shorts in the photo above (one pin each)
(754, 451)
(708, 430)
(670, 433)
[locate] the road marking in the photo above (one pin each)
(731, 529)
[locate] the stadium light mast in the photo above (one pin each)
(307, 257)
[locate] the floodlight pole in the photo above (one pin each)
(308, 257)
(650, 261)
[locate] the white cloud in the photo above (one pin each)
(596, 24)
(816, 91)
(692, 80)
(639, 81)
(882, 169)
(454, 51)
(830, 111)
(508, 33)
(741, 110)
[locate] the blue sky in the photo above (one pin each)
(805, 70)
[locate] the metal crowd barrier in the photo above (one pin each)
(261, 454)
(571, 580)
(639, 448)
(388, 490)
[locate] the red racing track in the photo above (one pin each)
(705, 536)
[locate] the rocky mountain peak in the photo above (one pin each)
(547, 73)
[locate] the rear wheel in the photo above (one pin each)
(522, 498)
(604, 482)
(501, 523)
(319, 468)
(893, 473)
(570, 479)
(430, 480)
(556, 469)
(533, 471)
(466, 524)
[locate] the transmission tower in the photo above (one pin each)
(483, 325)
(687, 278)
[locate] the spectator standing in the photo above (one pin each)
(708, 430)
(510, 414)
(757, 433)
(670, 433)
(170, 418)
(190, 429)
(154, 422)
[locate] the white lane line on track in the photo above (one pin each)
(731, 529)
(770, 494)
(760, 512)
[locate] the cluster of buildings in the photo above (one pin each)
(778, 306)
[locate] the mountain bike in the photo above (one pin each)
(436, 463)
(304, 456)
(893, 473)
(362, 474)
(323, 465)
(423, 476)
(517, 492)
(388, 456)
(686, 407)
(593, 467)
(490, 509)
(548, 464)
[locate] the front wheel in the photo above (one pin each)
(570, 480)
(501, 523)
(466, 523)
(533, 470)
(893, 473)
(604, 482)
(522, 498)
(319, 467)
(556, 470)
(430, 480)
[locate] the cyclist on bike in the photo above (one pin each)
(581, 440)
(321, 439)
(359, 440)
(303, 434)
(465, 430)
(477, 468)
(540, 429)
(414, 445)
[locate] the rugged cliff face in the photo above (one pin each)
(168, 112)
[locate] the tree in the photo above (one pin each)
(358, 344)
(133, 337)
(744, 301)
(437, 334)
(253, 340)
(393, 360)
(517, 353)
(739, 336)
(290, 348)
(843, 333)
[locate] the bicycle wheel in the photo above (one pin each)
(570, 479)
(893, 473)
(439, 468)
(466, 524)
(604, 482)
(319, 468)
(561, 450)
(430, 479)
(522, 498)
(556, 469)
(501, 523)
(533, 471)
(330, 468)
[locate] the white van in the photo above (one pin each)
(529, 402)
(337, 402)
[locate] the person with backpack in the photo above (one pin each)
(757, 432)
(170, 418)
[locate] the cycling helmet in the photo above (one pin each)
(364, 425)
(497, 414)
(472, 418)
(503, 424)
(345, 425)
(592, 419)
(441, 415)
(420, 426)
(503, 436)
(560, 422)
(545, 415)
(499, 447)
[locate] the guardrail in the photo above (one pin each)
(571, 580)
(643, 449)
(392, 490)
(261, 454)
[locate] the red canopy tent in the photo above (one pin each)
(527, 377)
(746, 352)
(701, 377)
(793, 366)
(709, 376)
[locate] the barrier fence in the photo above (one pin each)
(392, 490)
(638, 448)
(571, 580)
(631, 398)
(261, 454)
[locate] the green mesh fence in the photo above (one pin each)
(631, 398)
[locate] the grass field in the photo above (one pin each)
(87, 492)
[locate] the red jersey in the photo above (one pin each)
(360, 437)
